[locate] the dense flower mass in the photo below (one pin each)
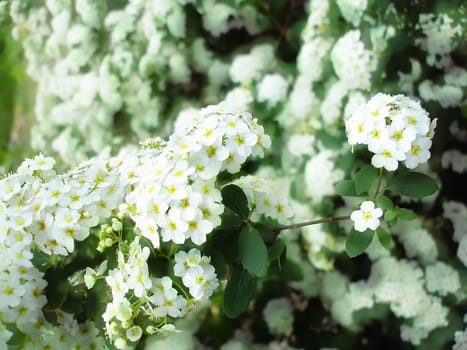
(175, 198)
(45, 213)
(137, 296)
(167, 188)
(395, 128)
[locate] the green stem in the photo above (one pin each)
(184, 292)
(380, 178)
(312, 222)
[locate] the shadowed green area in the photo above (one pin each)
(11, 75)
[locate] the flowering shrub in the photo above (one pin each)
(315, 203)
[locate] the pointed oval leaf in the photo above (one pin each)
(253, 252)
(357, 242)
(390, 214)
(235, 199)
(384, 202)
(238, 292)
(384, 238)
(364, 178)
(412, 184)
(406, 214)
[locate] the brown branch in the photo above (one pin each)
(312, 222)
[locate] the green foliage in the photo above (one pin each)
(390, 214)
(57, 288)
(234, 199)
(384, 237)
(238, 292)
(384, 202)
(406, 214)
(357, 242)
(253, 252)
(364, 178)
(412, 184)
(276, 250)
(345, 188)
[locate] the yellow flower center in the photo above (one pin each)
(397, 135)
(387, 153)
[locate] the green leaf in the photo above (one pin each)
(238, 292)
(384, 238)
(268, 235)
(412, 184)
(219, 263)
(364, 178)
(230, 221)
(390, 214)
(276, 249)
(56, 290)
(235, 199)
(253, 252)
(73, 304)
(384, 202)
(357, 242)
(345, 188)
(406, 214)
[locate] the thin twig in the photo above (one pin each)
(312, 222)
(379, 183)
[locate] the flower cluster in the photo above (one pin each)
(397, 283)
(66, 333)
(320, 175)
(196, 273)
(264, 199)
(439, 39)
(139, 296)
(395, 128)
(175, 198)
(352, 62)
(278, 315)
(42, 211)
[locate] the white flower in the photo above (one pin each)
(185, 261)
(117, 281)
(419, 152)
(90, 275)
(272, 89)
(201, 281)
(367, 217)
(352, 10)
(134, 333)
(123, 310)
(388, 157)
